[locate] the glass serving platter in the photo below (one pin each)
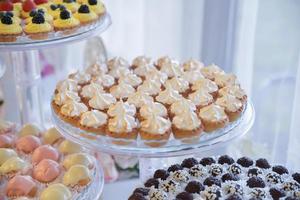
(174, 147)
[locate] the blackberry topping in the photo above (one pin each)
(152, 182)
(92, 2)
(53, 7)
(234, 197)
(229, 177)
(6, 20)
(137, 196)
(215, 170)
(41, 11)
(235, 169)
(162, 174)
(194, 187)
(279, 169)
(33, 13)
(174, 168)
(255, 182)
(65, 14)
(189, 162)
(184, 196)
(207, 161)
(9, 13)
(245, 161)
(84, 9)
(276, 193)
(38, 19)
(296, 177)
(225, 159)
(143, 191)
(61, 7)
(263, 163)
(2, 14)
(212, 181)
(273, 178)
(254, 172)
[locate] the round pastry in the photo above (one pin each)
(89, 91)
(85, 15)
(117, 62)
(68, 147)
(122, 90)
(121, 108)
(71, 111)
(179, 84)
(118, 72)
(13, 165)
(234, 90)
(65, 22)
(223, 80)
(44, 152)
(182, 106)
(156, 76)
(29, 129)
(51, 136)
(97, 6)
(169, 66)
(131, 79)
(67, 85)
(54, 10)
(77, 175)
(81, 78)
(56, 191)
(21, 186)
(201, 98)
(205, 85)
(211, 71)
(105, 80)
(46, 171)
(233, 106)
(168, 96)
(153, 108)
(28, 144)
(48, 18)
(139, 99)
(6, 141)
(101, 101)
(63, 97)
(71, 5)
(93, 121)
(9, 29)
(150, 87)
(192, 65)
(78, 159)
(140, 61)
(6, 154)
(192, 76)
(143, 70)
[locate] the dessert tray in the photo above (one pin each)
(44, 166)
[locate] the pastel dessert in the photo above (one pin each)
(97, 6)
(211, 71)
(85, 15)
(182, 106)
(72, 111)
(81, 78)
(71, 5)
(102, 101)
(192, 65)
(9, 29)
(68, 147)
(93, 121)
(168, 96)
(77, 159)
(77, 175)
(46, 171)
(65, 21)
(138, 99)
(51, 136)
(27, 7)
(169, 66)
(142, 70)
(179, 84)
(38, 28)
(131, 79)
(90, 90)
(223, 80)
(6, 141)
(153, 108)
(201, 98)
(21, 186)
(56, 191)
(6, 127)
(150, 87)
(105, 80)
(54, 10)
(64, 97)
(206, 85)
(29, 129)
(43, 11)
(6, 154)
(13, 165)
(67, 85)
(45, 152)
(14, 16)
(140, 61)
(233, 106)
(28, 144)
(234, 90)
(122, 90)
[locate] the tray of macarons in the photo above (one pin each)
(36, 164)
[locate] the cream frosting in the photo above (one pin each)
(143, 70)
(68, 84)
(168, 96)
(201, 98)
(77, 159)
(205, 84)
(192, 65)
(88, 91)
(56, 191)
(131, 79)
(68, 147)
(121, 108)
(229, 102)
(213, 113)
(139, 99)
(13, 164)
(187, 120)
(182, 105)
(211, 71)
(157, 76)
(76, 174)
(156, 125)
(223, 80)
(118, 72)
(66, 96)
(141, 61)
(73, 109)
(104, 79)
(6, 154)
(93, 118)
(122, 90)
(153, 108)
(117, 62)
(51, 135)
(150, 87)
(97, 69)
(122, 123)
(80, 77)
(234, 90)
(192, 76)
(177, 83)
(171, 68)
(102, 101)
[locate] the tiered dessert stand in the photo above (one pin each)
(22, 56)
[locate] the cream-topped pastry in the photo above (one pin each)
(157, 76)
(6, 154)
(223, 80)
(205, 84)
(168, 96)
(165, 60)
(80, 77)
(130, 79)
(230, 103)
(102, 101)
(186, 120)
(77, 159)
(68, 147)
(104, 79)
(143, 70)
(68, 84)
(117, 62)
(153, 108)
(12, 165)
(141, 61)
(201, 98)
(88, 91)
(29, 129)
(182, 105)
(122, 123)
(51, 136)
(211, 71)
(156, 125)
(192, 65)
(66, 96)
(77, 175)
(97, 69)
(178, 83)
(192, 76)
(93, 118)
(139, 99)
(121, 108)
(56, 191)
(122, 90)
(118, 72)
(234, 90)
(150, 87)
(73, 109)
(171, 68)
(213, 112)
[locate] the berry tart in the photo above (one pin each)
(66, 22)
(85, 15)
(9, 28)
(220, 178)
(38, 28)
(96, 6)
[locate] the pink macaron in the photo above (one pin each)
(46, 171)
(28, 143)
(44, 152)
(6, 141)
(21, 186)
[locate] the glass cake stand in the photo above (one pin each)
(22, 58)
(151, 158)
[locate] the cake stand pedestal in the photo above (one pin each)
(23, 57)
(151, 159)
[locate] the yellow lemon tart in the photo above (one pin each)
(65, 21)
(71, 5)
(9, 30)
(38, 28)
(85, 15)
(96, 6)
